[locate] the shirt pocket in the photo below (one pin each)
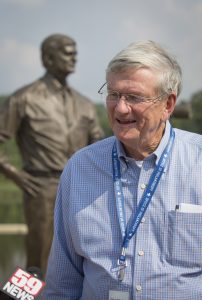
(184, 239)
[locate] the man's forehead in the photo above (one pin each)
(69, 48)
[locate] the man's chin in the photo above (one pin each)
(126, 134)
(126, 139)
(70, 71)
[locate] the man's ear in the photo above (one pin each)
(47, 60)
(169, 105)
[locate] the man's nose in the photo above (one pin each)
(122, 105)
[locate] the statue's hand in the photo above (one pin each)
(24, 180)
(28, 183)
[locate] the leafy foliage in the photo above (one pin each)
(196, 102)
(102, 115)
(2, 98)
(194, 123)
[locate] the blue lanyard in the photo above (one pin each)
(128, 231)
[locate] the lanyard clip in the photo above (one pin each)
(122, 264)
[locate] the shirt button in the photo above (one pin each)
(138, 288)
(140, 252)
(143, 220)
(143, 186)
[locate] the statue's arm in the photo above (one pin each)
(10, 119)
(95, 130)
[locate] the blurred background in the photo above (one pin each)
(101, 29)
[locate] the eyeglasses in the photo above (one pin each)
(114, 96)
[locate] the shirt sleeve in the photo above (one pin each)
(87, 109)
(64, 279)
(10, 118)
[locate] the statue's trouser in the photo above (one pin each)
(39, 213)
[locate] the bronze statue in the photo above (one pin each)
(50, 121)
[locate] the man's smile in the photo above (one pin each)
(125, 122)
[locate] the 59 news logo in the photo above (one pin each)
(23, 286)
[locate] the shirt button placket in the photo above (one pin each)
(141, 252)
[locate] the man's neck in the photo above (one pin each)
(141, 152)
(61, 78)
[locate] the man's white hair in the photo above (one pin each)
(151, 55)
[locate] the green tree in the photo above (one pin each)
(2, 98)
(183, 117)
(102, 115)
(196, 103)
(194, 121)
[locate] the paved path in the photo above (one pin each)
(13, 229)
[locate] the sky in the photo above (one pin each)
(101, 28)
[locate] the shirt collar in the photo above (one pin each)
(163, 142)
(156, 154)
(54, 83)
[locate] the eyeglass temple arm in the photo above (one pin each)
(100, 90)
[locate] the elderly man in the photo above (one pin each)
(128, 216)
(50, 121)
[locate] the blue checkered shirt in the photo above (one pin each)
(164, 257)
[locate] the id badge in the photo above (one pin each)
(118, 295)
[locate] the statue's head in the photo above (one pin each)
(58, 54)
